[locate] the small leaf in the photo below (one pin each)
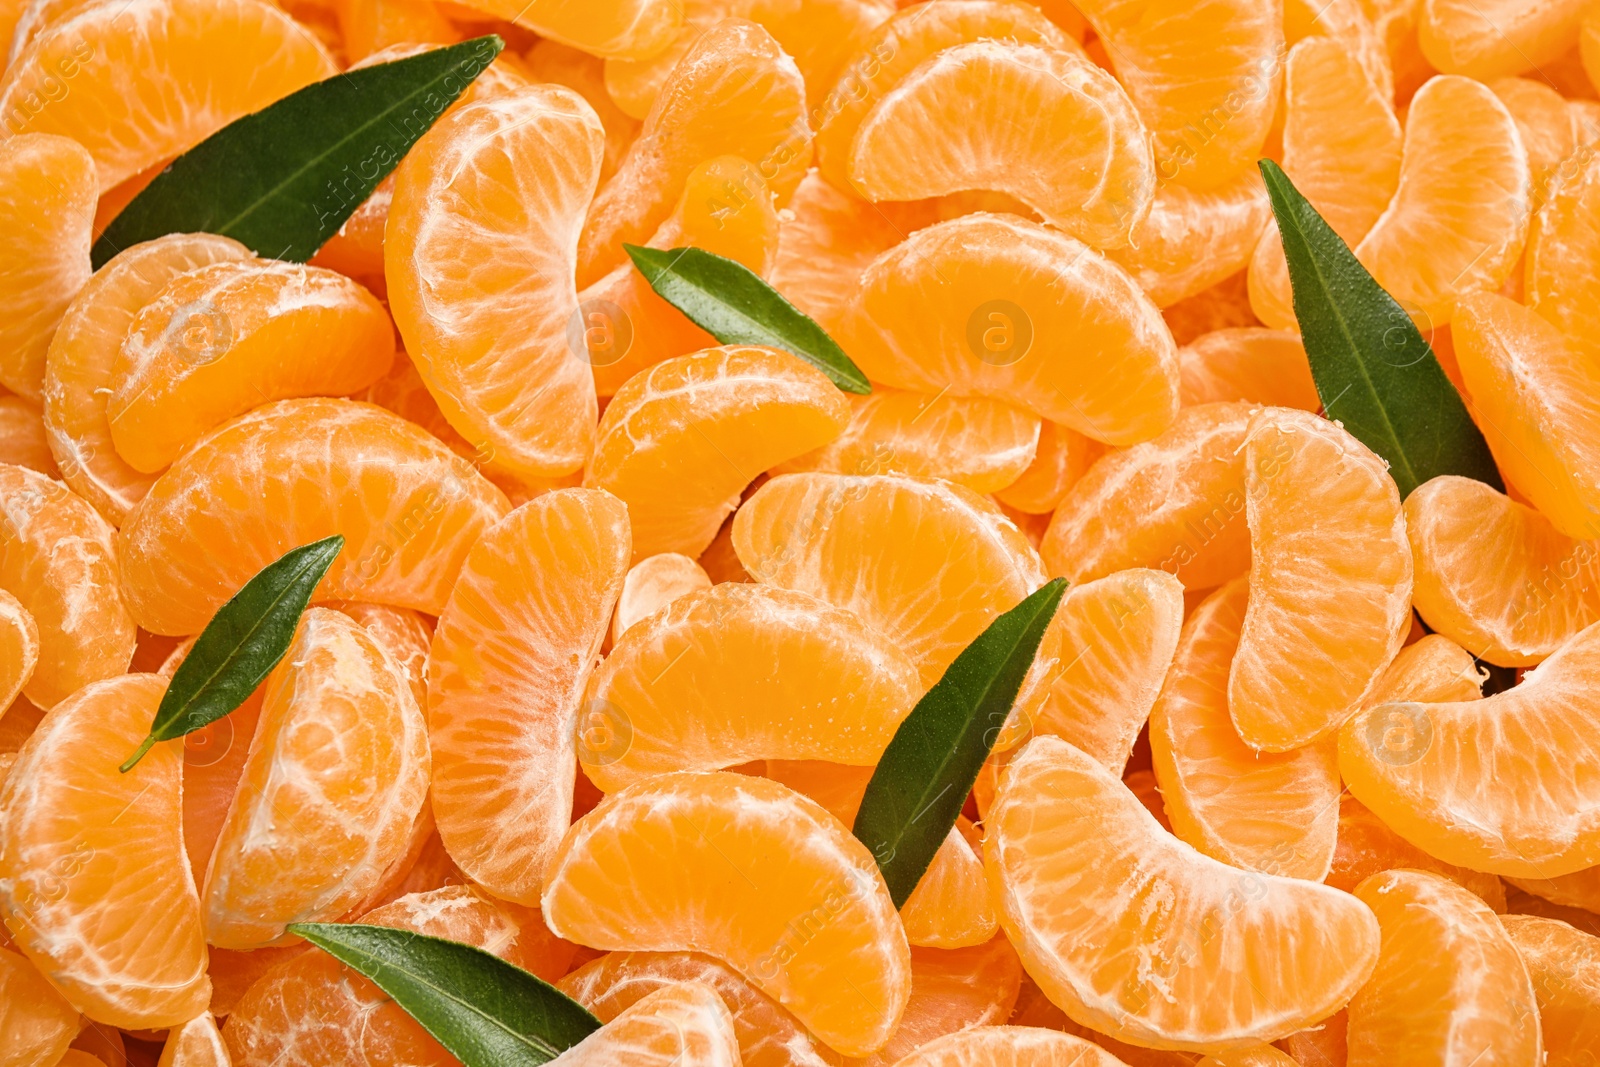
(1373, 370)
(241, 644)
(933, 759)
(283, 180)
(733, 304)
(485, 1011)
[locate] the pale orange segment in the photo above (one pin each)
(1247, 363)
(281, 477)
(513, 649)
(1010, 1046)
(1192, 240)
(231, 336)
(404, 634)
(19, 648)
(1564, 966)
(23, 442)
(735, 92)
(749, 858)
(1106, 908)
(121, 937)
(479, 253)
(197, 1043)
(85, 349)
(1545, 121)
(625, 29)
(679, 443)
(1062, 457)
(1351, 24)
(1562, 236)
(1532, 393)
(58, 558)
(1486, 39)
(992, 305)
(1175, 503)
(151, 78)
(36, 1022)
(652, 584)
(1046, 126)
(742, 672)
(684, 1025)
(1330, 588)
(1449, 987)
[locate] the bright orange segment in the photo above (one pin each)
(1563, 235)
(1247, 363)
(36, 1022)
(684, 1025)
(627, 29)
(197, 1043)
(366, 26)
(1485, 39)
(19, 648)
(1192, 240)
(1062, 457)
(551, 61)
(1564, 966)
(1010, 1046)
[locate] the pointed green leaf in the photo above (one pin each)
(283, 180)
(1374, 372)
(925, 774)
(241, 644)
(485, 1011)
(732, 303)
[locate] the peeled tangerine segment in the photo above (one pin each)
(141, 82)
(1450, 986)
(78, 377)
(1010, 1046)
(36, 1022)
(1272, 812)
(127, 952)
(1134, 933)
(1330, 587)
(1565, 235)
(1564, 965)
(479, 250)
(1247, 363)
(685, 1025)
(1062, 457)
(741, 672)
(652, 584)
(1509, 784)
(47, 201)
(1046, 126)
(1459, 216)
(1487, 39)
(1534, 394)
(623, 29)
(58, 558)
(953, 990)
(750, 872)
(993, 305)
(197, 1043)
(680, 441)
(231, 336)
(1191, 239)
(290, 473)
(513, 649)
(19, 648)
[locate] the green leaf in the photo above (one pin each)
(731, 303)
(283, 180)
(241, 644)
(485, 1011)
(1374, 372)
(925, 774)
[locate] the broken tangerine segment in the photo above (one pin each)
(19, 648)
(760, 877)
(1191, 240)
(683, 1025)
(652, 584)
(1247, 363)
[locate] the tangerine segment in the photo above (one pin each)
(679, 442)
(1449, 988)
(22, 437)
(953, 990)
(513, 649)
(684, 1025)
(231, 336)
(1062, 457)
(405, 635)
(1485, 40)
(197, 1043)
(1111, 915)
(1564, 966)
(479, 251)
(652, 584)
(1330, 588)
(337, 819)
(992, 305)
(19, 648)
(1175, 503)
(740, 672)
(1532, 392)
(1247, 363)
(1204, 77)
(1043, 125)
(1273, 812)
(1431, 669)
(47, 198)
(1562, 236)
(735, 92)
(1547, 124)
(85, 349)
(752, 873)
(368, 26)
(1368, 847)
(622, 29)
(57, 557)
(288, 474)
(1010, 1046)
(1192, 240)
(551, 61)
(36, 1022)
(71, 828)
(1444, 234)
(1581, 889)
(147, 80)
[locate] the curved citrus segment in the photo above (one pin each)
(57, 557)
(623, 29)
(368, 26)
(1368, 847)
(1563, 236)
(551, 61)
(953, 990)
(1564, 966)
(741, 672)
(1449, 987)
(127, 952)
(751, 859)
(992, 305)
(511, 654)
(1010, 1046)
(1548, 126)
(1062, 457)
(652, 584)
(479, 252)
(47, 198)
(1107, 910)
(149, 79)
(36, 1022)
(283, 476)
(1351, 24)
(1483, 40)
(1045, 126)
(196, 1043)
(684, 1025)
(1247, 363)
(231, 336)
(679, 442)
(23, 442)
(1192, 240)
(19, 648)
(1330, 587)
(78, 375)
(1580, 889)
